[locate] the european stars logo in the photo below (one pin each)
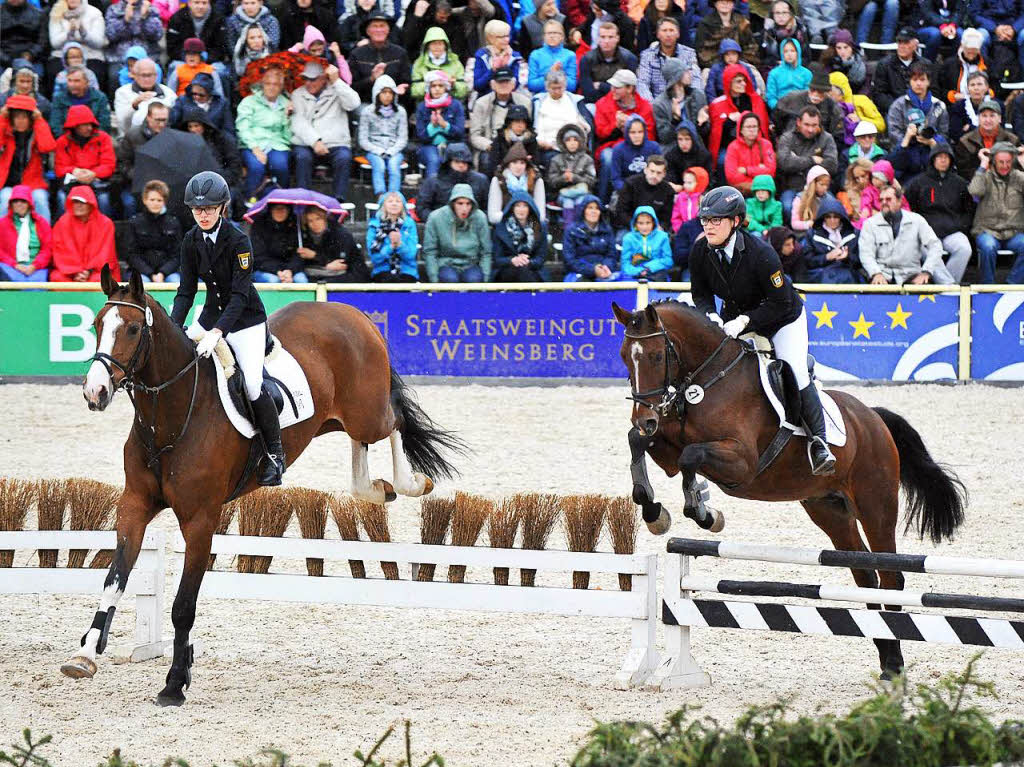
(824, 316)
(899, 317)
(861, 327)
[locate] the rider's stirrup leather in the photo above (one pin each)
(272, 466)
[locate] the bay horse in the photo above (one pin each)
(183, 453)
(669, 347)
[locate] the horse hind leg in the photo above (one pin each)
(133, 516)
(837, 517)
(378, 491)
(407, 482)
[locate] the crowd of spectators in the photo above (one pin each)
(487, 126)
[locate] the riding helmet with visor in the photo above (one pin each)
(206, 189)
(722, 202)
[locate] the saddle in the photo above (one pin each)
(279, 392)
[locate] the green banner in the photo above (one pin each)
(50, 333)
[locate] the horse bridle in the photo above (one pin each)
(673, 387)
(131, 385)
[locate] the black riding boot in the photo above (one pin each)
(272, 467)
(822, 460)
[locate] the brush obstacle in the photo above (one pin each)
(681, 611)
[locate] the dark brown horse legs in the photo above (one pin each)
(722, 460)
(655, 516)
(197, 529)
(133, 514)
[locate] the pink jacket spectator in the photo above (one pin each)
(9, 235)
(687, 203)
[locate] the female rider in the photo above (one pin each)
(220, 253)
(745, 272)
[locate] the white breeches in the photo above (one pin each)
(791, 345)
(249, 346)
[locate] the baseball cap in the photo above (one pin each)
(990, 104)
(503, 73)
(622, 78)
(865, 128)
(915, 116)
(312, 70)
(906, 33)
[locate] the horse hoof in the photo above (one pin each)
(389, 491)
(890, 675)
(79, 667)
(719, 521)
(661, 525)
(428, 486)
(168, 698)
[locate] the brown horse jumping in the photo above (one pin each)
(670, 346)
(183, 453)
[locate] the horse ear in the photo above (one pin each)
(622, 315)
(652, 314)
(135, 285)
(107, 281)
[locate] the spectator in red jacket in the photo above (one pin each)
(83, 241)
(750, 155)
(24, 139)
(84, 155)
(24, 240)
(724, 113)
(612, 112)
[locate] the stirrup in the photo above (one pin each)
(825, 466)
(271, 470)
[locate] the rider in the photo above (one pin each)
(221, 254)
(745, 272)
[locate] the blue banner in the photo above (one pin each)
(884, 336)
(562, 334)
(997, 336)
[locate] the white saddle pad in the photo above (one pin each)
(835, 427)
(280, 364)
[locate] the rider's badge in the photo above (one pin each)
(244, 259)
(693, 394)
(776, 278)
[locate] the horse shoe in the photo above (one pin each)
(79, 667)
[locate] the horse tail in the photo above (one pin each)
(936, 497)
(424, 441)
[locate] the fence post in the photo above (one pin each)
(680, 669)
(964, 332)
(642, 658)
(149, 608)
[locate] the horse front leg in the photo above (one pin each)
(197, 530)
(655, 516)
(727, 461)
(134, 513)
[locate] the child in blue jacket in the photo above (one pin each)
(630, 156)
(588, 246)
(391, 241)
(646, 251)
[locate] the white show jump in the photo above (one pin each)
(640, 605)
(681, 612)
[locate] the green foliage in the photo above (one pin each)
(927, 727)
(26, 756)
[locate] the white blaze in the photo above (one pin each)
(635, 352)
(98, 376)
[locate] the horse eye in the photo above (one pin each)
(133, 329)
(657, 357)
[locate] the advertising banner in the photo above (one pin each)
(527, 334)
(997, 336)
(49, 333)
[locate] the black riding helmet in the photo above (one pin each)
(205, 189)
(722, 202)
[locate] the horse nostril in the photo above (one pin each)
(650, 426)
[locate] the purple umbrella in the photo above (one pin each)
(299, 198)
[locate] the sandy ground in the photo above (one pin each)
(319, 682)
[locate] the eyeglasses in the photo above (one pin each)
(711, 221)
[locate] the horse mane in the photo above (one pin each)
(696, 314)
(124, 293)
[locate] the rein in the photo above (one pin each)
(672, 388)
(132, 386)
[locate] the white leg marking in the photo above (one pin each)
(111, 596)
(98, 377)
(362, 489)
(406, 482)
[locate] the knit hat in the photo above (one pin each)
(437, 76)
(865, 128)
(815, 172)
(841, 36)
(193, 45)
(515, 152)
(972, 38)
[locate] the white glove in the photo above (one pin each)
(716, 319)
(194, 332)
(208, 342)
(734, 327)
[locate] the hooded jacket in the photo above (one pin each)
(383, 256)
(39, 142)
(651, 253)
(61, 80)
(498, 191)
(541, 61)
(181, 26)
(606, 129)
(95, 154)
(83, 245)
(154, 243)
(435, 191)
(756, 159)
(762, 216)
(664, 117)
(688, 203)
(772, 37)
(223, 146)
(381, 134)
(720, 109)
(628, 158)
(218, 108)
(275, 244)
(458, 243)
(239, 21)
(942, 198)
(145, 31)
(713, 79)
(1000, 202)
(678, 162)
(863, 106)
(785, 78)
(504, 247)
(584, 248)
(451, 67)
(91, 34)
(10, 226)
(580, 164)
(711, 32)
(819, 245)
(264, 125)
(488, 118)
(323, 117)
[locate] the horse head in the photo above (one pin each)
(123, 338)
(662, 343)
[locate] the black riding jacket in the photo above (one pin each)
(754, 284)
(232, 302)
